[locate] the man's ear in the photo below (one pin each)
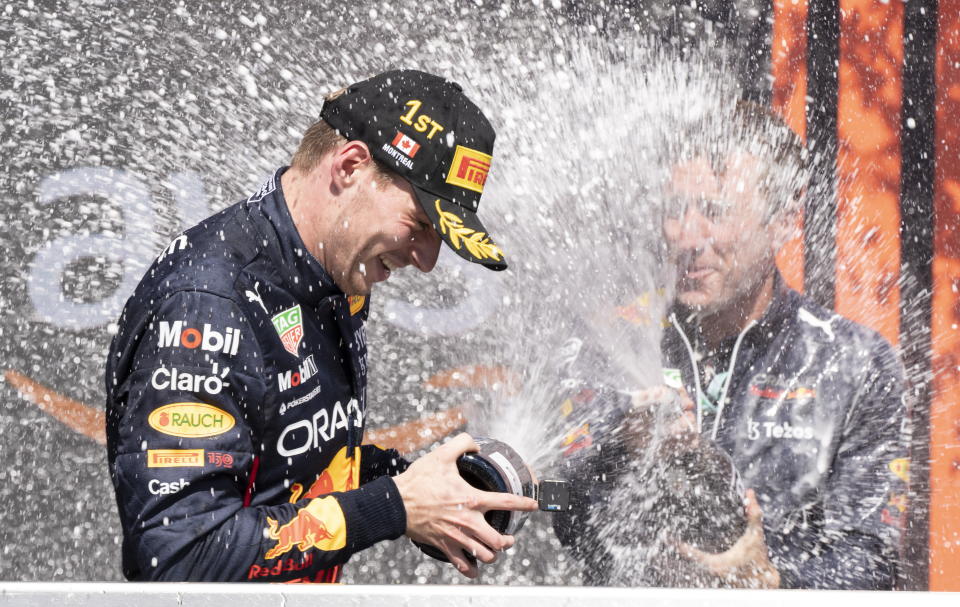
(348, 163)
(785, 226)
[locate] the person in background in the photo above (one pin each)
(809, 405)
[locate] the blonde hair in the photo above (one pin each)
(320, 139)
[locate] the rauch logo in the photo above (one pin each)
(190, 420)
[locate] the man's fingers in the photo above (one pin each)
(493, 500)
(458, 560)
(754, 513)
(713, 562)
(476, 548)
(457, 446)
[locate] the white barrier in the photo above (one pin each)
(16, 594)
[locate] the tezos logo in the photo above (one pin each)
(778, 431)
(174, 335)
(190, 420)
(292, 379)
(289, 326)
(175, 379)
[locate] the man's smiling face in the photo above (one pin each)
(718, 230)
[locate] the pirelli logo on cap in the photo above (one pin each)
(469, 169)
(174, 458)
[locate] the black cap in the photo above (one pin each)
(424, 128)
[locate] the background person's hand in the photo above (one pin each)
(663, 411)
(747, 563)
(443, 510)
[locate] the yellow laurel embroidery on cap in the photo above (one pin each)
(477, 243)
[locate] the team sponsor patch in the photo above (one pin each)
(220, 460)
(341, 475)
(301, 436)
(289, 326)
(672, 378)
(265, 190)
(176, 335)
(320, 524)
(174, 458)
(469, 169)
(900, 468)
(773, 392)
(173, 378)
(158, 487)
(177, 244)
(190, 420)
(577, 439)
(356, 303)
(778, 431)
(294, 377)
(283, 566)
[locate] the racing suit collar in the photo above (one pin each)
(302, 273)
(781, 306)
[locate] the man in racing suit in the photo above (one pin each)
(809, 405)
(236, 381)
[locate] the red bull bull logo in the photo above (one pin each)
(320, 524)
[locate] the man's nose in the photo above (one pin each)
(424, 250)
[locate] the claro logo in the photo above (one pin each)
(190, 420)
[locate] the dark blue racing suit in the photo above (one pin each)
(810, 406)
(235, 406)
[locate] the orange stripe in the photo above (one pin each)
(80, 418)
(417, 434)
(945, 408)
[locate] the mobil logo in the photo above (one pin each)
(176, 335)
(293, 378)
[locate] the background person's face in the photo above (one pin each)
(717, 232)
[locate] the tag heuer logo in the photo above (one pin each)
(289, 326)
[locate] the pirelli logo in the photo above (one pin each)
(174, 458)
(469, 169)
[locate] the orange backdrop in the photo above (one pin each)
(868, 217)
(945, 412)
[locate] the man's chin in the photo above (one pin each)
(698, 301)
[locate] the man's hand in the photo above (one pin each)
(746, 564)
(443, 510)
(662, 409)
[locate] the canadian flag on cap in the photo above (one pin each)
(405, 144)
